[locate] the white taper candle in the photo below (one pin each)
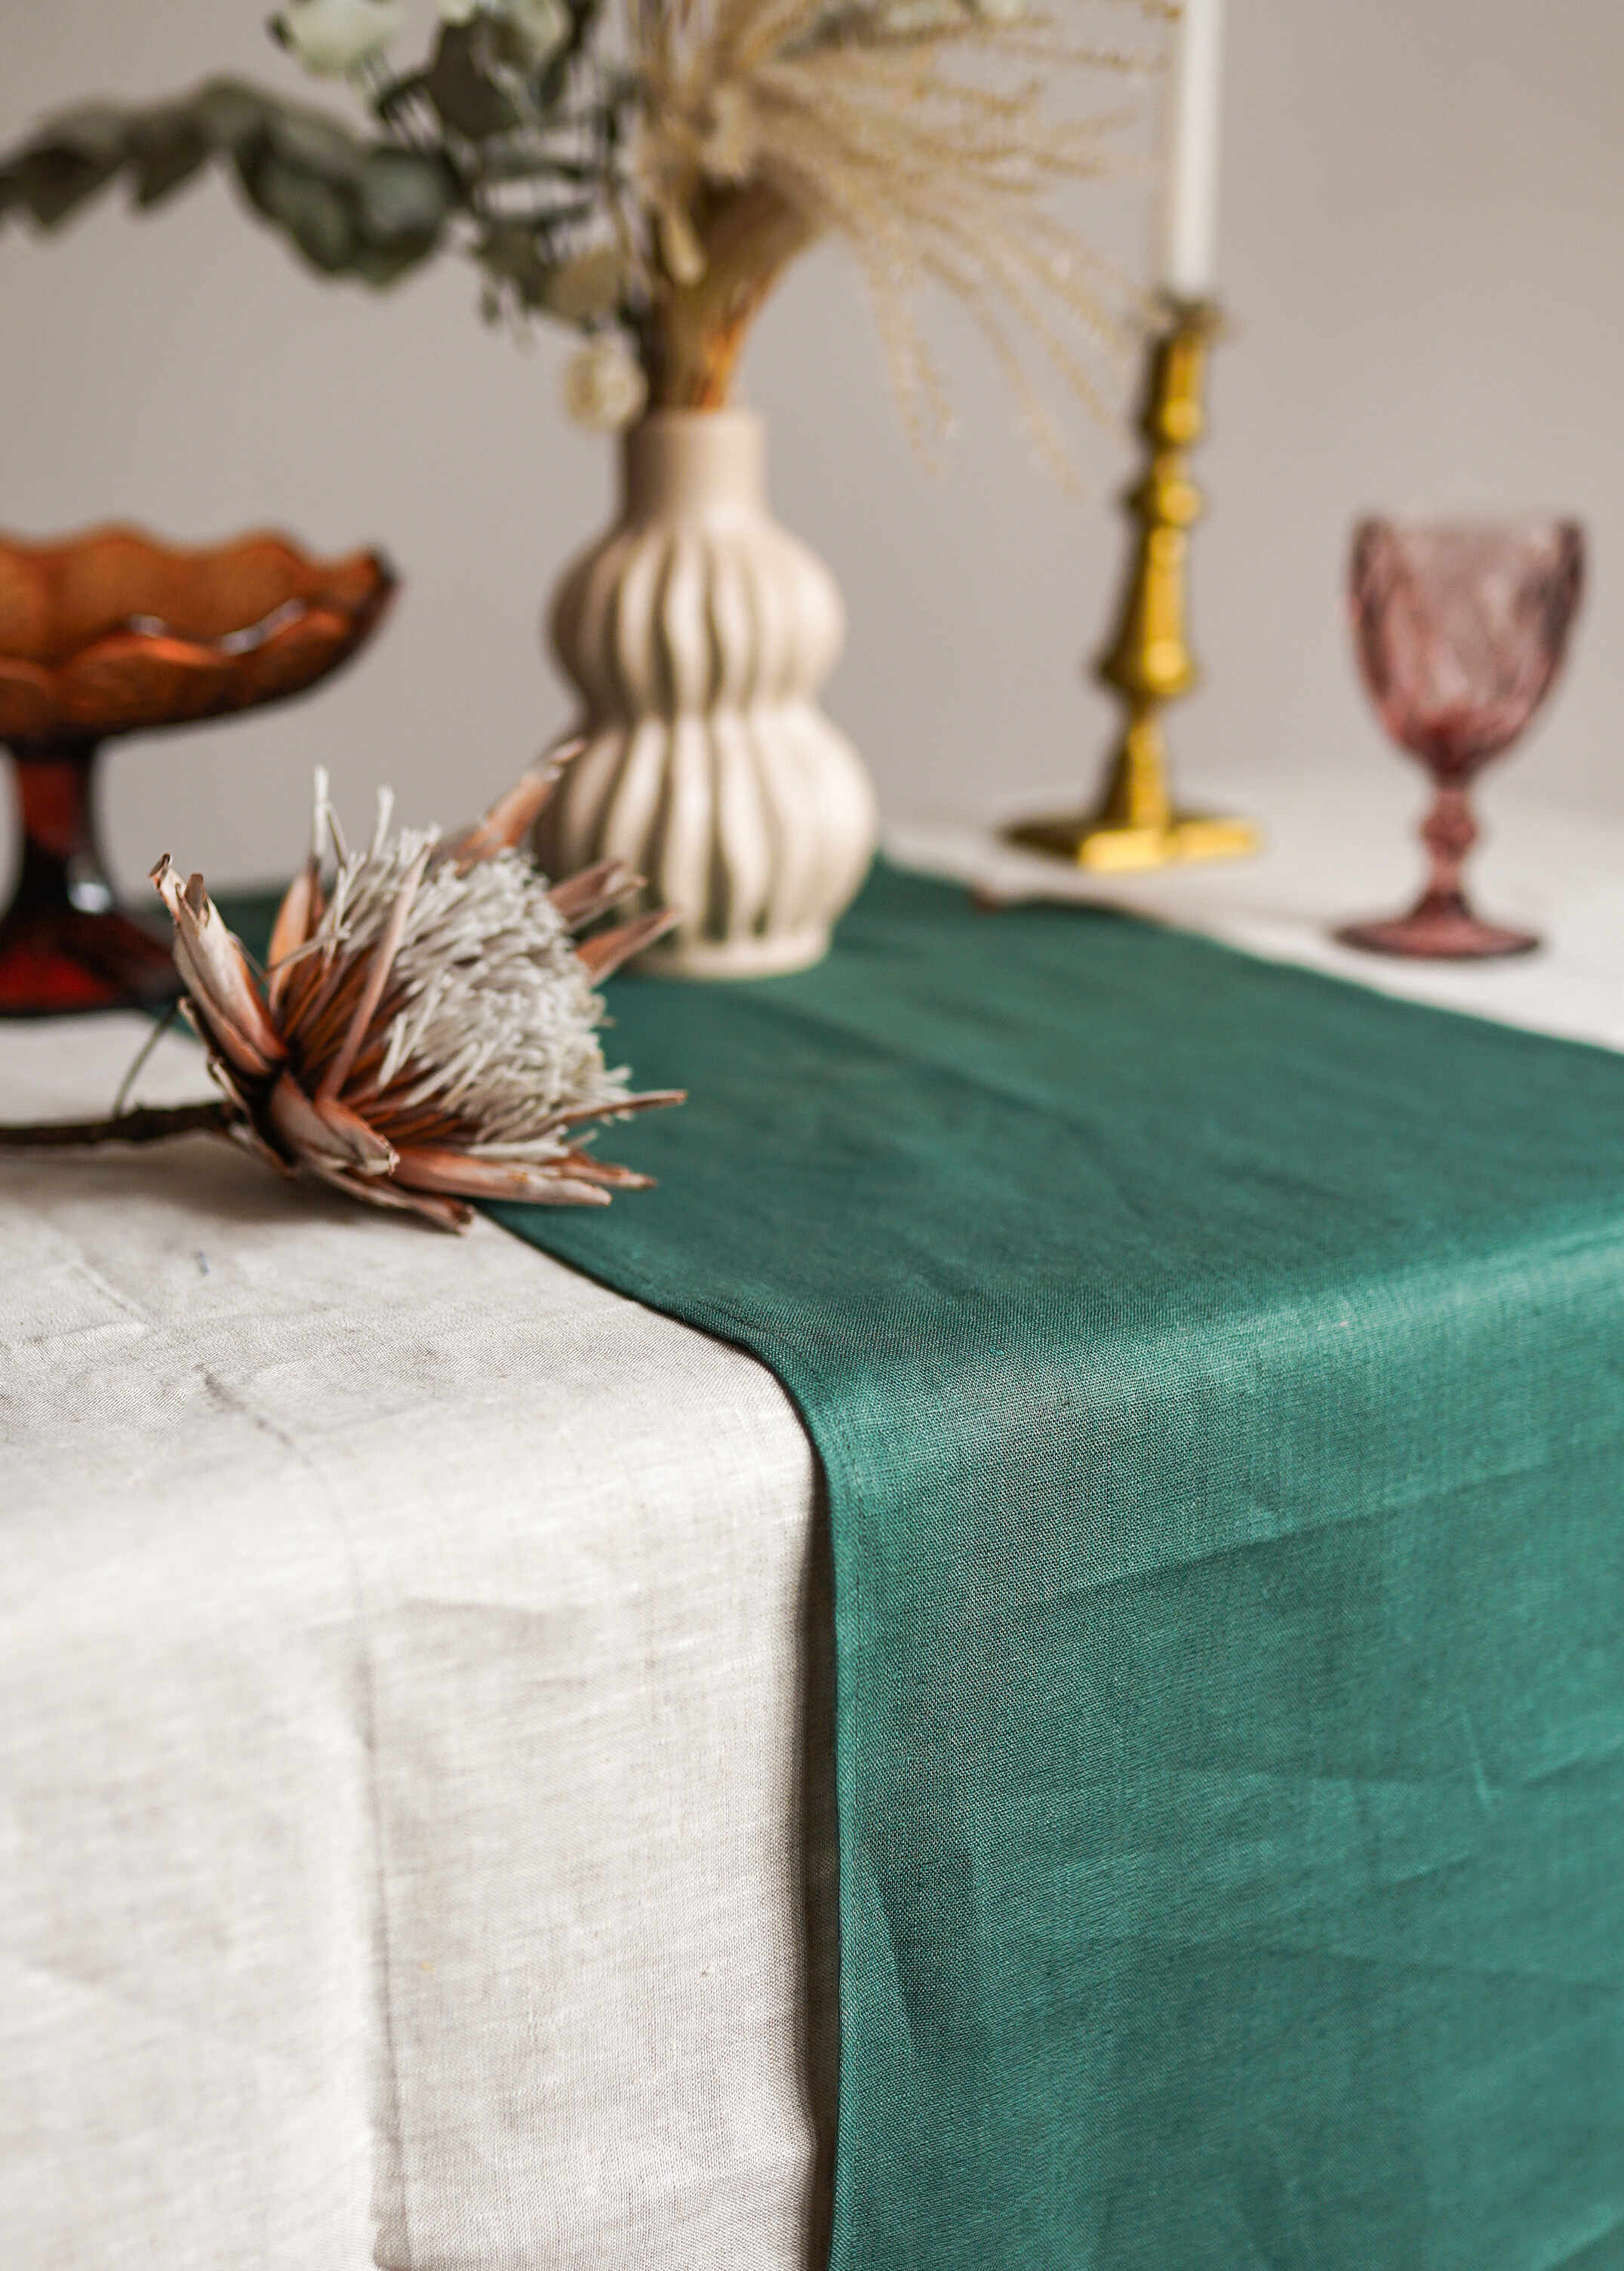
(1189, 196)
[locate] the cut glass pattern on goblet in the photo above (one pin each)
(1460, 630)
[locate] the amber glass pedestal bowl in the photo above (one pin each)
(113, 633)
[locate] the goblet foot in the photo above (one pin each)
(56, 961)
(1442, 928)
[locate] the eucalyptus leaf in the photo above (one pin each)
(314, 145)
(381, 265)
(516, 160)
(528, 33)
(316, 215)
(511, 252)
(350, 206)
(54, 182)
(397, 94)
(76, 155)
(94, 132)
(354, 204)
(555, 78)
(230, 111)
(404, 196)
(167, 149)
(467, 99)
(521, 161)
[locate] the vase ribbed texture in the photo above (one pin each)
(698, 633)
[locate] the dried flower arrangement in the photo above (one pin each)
(644, 170)
(425, 1030)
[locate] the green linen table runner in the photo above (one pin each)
(1218, 1372)
(1219, 1376)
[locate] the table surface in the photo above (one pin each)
(402, 1644)
(409, 1649)
(1344, 849)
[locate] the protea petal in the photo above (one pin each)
(582, 1164)
(604, 955)
(456, 1172)
(294, 926)
(512, 817)
(373, 1154)
(203, 1010)
(217, 975)
(245, 1130)
(582, 899)
(377, 977)
(578, 1116)
(314, 1135)
(445, 1213)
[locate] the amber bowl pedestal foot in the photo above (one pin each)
(63, 943)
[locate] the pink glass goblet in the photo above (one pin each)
(1460, 630)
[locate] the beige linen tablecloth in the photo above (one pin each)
(403, 1654)
(415, 1739)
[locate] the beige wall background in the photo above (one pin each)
(1423, 256)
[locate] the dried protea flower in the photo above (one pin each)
(425, 1032)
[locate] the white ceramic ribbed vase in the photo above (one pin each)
(698, 633)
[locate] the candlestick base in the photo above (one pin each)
(1112, 848)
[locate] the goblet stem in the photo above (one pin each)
(1441, 926)
(1449, 832)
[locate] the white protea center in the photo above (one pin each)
(427, 1028)
(498, 1018)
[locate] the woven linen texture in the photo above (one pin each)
(402, 1822)
(1218, 1374)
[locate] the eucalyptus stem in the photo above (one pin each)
(146, 1124)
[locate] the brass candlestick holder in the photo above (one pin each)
(1148, 662)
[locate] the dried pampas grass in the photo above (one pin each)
(927, 134)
